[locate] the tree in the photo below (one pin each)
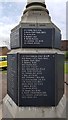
(66, 55)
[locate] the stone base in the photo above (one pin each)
(11, 110)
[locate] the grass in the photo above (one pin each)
(4, 71)
(66, 68)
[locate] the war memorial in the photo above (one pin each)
(35, 78)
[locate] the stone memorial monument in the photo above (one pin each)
(35, 74)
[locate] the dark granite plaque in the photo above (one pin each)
(37, 83)
(37, 37)
(12, 77)
(36, 79)
(15, 38)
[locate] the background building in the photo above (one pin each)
(64, 45)
(4, 50)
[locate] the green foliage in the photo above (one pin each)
(66, 55)
(66, 68)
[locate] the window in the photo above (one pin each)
(3, 58)
(0, 59)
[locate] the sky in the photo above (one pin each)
(12, 10)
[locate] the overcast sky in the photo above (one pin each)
(11, 12)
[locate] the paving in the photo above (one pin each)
(67, 94)
(3, 88)
(0, 112)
